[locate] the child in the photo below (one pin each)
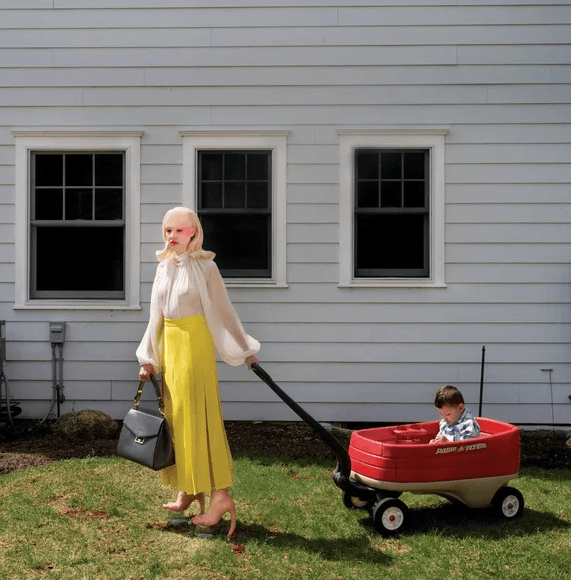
(457, 422)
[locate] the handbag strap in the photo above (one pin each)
(137, 398)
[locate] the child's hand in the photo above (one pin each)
(439, 439)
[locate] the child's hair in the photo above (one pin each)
(196, 242)
(448, 395)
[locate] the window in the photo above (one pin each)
(77, 220)
(235, 208)
(236, 182)
(77, 211)
(391, 211)
(392, 207)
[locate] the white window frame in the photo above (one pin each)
(432, 138)
(92, 141)
(276, 141)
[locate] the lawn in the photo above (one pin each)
(101, 518)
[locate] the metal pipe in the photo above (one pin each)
(482, 380)
(54, 383)
(60, 395)
(4, 381)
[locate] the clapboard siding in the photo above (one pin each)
(383, 352)
(229, 16)
(351, 76)
(528, 193)
(507, 253)
(496, 73)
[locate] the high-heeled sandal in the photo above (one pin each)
(214, 515)
(191, 499)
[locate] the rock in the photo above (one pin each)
(86, 424)
(569, 442)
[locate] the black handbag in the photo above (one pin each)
(145, 437)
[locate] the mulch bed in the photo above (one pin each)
(39, 445)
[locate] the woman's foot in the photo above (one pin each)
(183, 502)
(220, 503)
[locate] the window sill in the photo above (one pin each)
(76, 305)
(393, 283)
(253, 284)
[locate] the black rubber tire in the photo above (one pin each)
(390, 517)
(508, 503)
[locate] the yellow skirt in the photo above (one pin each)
(193, 411)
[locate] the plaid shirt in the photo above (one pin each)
(465, 428)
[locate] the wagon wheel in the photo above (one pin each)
(390, 516)
(508, 502)
(352, 502)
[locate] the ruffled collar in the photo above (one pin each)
(185, 257)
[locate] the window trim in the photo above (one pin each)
(431, 138)
(276, 141)
(91, 141)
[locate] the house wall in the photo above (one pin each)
(496, 74)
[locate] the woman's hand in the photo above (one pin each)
(250, 360)
(146, 372)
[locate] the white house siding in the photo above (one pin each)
(496, 73)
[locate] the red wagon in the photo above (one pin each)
(384, 462)
(393, 460)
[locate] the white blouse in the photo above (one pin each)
(188, 285)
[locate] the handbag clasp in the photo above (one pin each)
(140, 440)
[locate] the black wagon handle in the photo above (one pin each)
(343, 458)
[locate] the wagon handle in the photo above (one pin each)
(343, 458)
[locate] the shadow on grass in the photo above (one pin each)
(459, 521)
(350, 550)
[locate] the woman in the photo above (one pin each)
(190, 314)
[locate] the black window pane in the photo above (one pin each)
(258, 166)
(108, 204)
(235, 166)
(258, 196)
(78, 204)
(49, 204)
(212, 195)
(85, 248)
(414, 194)
(368, 194)
(367, 165)
(235, 195)
(109, 170)
(390, 242)
(241, 241)
(391, 194)
(49, 170)
(414, 165)
(391, 165)
(211, 166)
(78, 170)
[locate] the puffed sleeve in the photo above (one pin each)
(232, 343)
(150, 348)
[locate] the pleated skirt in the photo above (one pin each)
(193, 410)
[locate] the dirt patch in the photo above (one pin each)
(40, 445)
(60, 505)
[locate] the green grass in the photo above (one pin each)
(101, 518)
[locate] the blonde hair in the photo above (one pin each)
(196, 242)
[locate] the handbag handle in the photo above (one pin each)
(137, 398)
